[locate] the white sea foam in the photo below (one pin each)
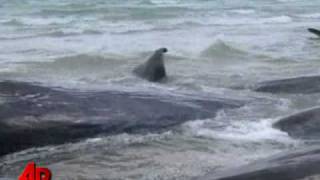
(243, 11)
(249, 20)
(248, 131)
(278, 19)
(312, 15)
(160, 2)
(44, 21)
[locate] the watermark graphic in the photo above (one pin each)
(31, 172)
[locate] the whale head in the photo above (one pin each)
(162, 50)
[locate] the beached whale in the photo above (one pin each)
(296, 165)
(314, 31)
(33, 115)
(154, 69)
(305, 124)
(297, 85)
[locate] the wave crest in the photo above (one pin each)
(222, 50)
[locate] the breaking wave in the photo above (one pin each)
(221, 49)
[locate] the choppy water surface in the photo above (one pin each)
(214, 46)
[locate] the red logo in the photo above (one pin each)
(31, 172)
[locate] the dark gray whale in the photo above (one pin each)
(33, 115)
(305, 124)
(297, 85)
(314, 31)
(153, 70)
(285, 166)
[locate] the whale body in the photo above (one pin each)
(296, 85)
(314, 31)
(33, 115)
(154, 69)
(305, 124)
(300, 164)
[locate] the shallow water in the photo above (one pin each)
(214, 46)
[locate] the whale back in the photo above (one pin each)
(301, 85)
(305, 124)
(32, 115)
(314, 31)
(154, 69)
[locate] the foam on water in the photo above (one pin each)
(32, 21)
(250, 131)
(312, 15)
(244, 11)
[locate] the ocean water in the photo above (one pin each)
(214, 46)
